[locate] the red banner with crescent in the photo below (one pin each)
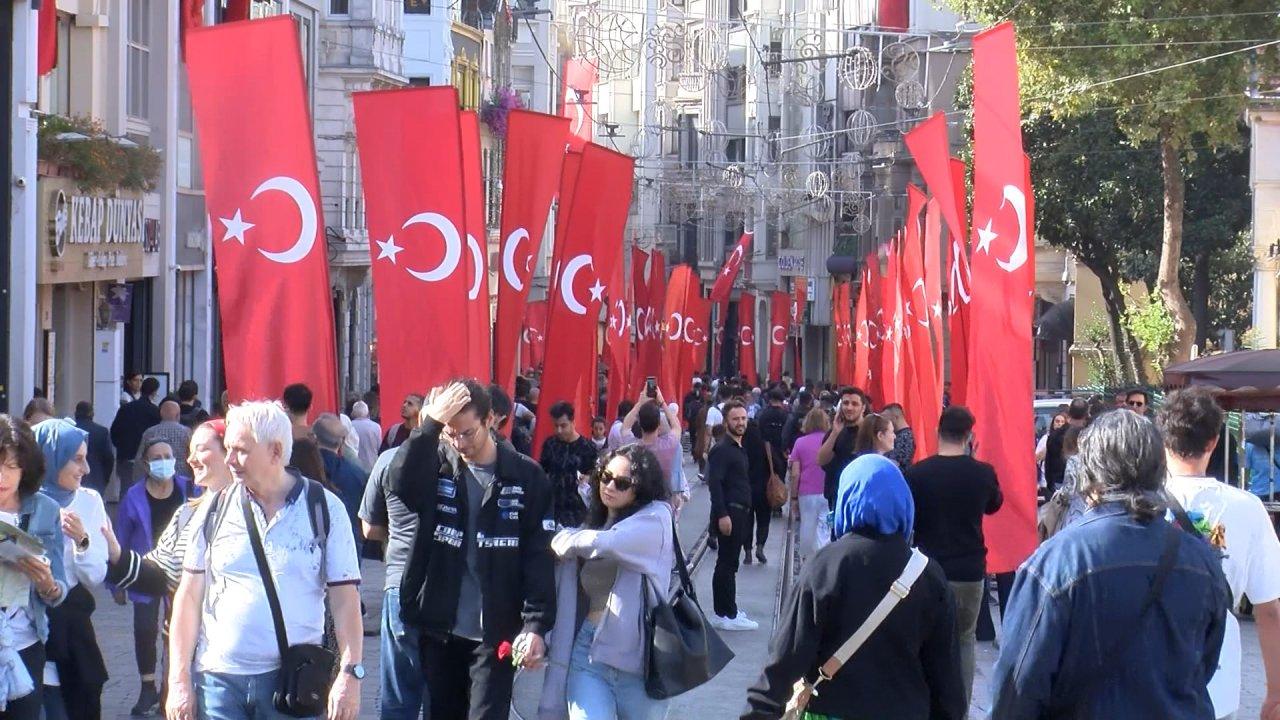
(533, 340)
(933, 283)
(411, 161)
(958, 298)
(861, 333)
(779, 321)
(580, 79)
(263, 200)
(931, 148)
(649, 283)
(891, 380)
(924, 395)
(747, 337)
(479, 359)
(530, 177)
(696, 335)
(732, 266)
(1001, 379)
(675, 376)
(842, 328)
(617, 340)
(592, 247)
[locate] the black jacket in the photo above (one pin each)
(132, 419)
(909, 668)
(102, 460)
(728, 477)
(517, 568)
(772, 421)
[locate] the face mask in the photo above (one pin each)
(162, 469)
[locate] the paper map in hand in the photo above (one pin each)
(16, 544)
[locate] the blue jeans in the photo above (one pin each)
(404, 689)
(222, 696)
(599, 692)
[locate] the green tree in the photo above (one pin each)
(1174, 71)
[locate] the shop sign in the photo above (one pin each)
(93, 237)
(791, 263)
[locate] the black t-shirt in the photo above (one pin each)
(841, 456)
(162, 510)
(772, 421)
(1055, 463)
(951, 494)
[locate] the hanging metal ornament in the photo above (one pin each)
(908, 118)
(815, 142)
(899, 62)
(817, 184)
(733, 176)
(713, 141)
(804, 85)
(859, 128)
(712, 47)
(857, 68)
(610, 40)
(911, 95)
(645, 143)
(857, 210)
(664, 44)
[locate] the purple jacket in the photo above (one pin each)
(133, 522)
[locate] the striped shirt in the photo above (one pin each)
(157, 572)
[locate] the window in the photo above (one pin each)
(735, 151)
(466, 78)
(56, 90)
(353, 218)
(137, 94)
(775, 58)
(417, 7)
(189, 172)
(735, 80)
(339, 7)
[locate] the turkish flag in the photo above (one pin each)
(732, 264)
(1001, 378)
(933, 281)
(580, 78)
(891, 378)
(534, 158)
(780, 304)
(649, 284)
(695, 334)
(411, 161)
(592, 247)
(618, 340)
(958, 298)
(479, 359)
(236, 10)
(263, 199)
(861, 332)
(747, 337)
(924, 395)
(842, 327)
(930, 147)
(876, 326)
(47, 37)
(676, 355)
(532, 336)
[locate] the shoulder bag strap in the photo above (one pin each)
(318, 510)
(682, 568)
(1180, 516)
(897, 592)
(264, 571)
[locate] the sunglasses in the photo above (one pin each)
(1137, 403)
(621, 483)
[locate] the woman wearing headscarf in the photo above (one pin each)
(74, 671)
(28, 587)
(909, 667)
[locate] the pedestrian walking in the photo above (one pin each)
(807, 484)
(953, 492)
(568, 458)
(1233, 521)
(32, 584)
(660, 434)
(760, 469)
(102, 458)
(131, 387)
(169, 431)
(133, 419)
(481, 588)
(1120, 615)
(145, 511)
(838, 449)
(772, 420)
(346, 480)
(904, 439)
(225, 654)
(616, 565)
(74, 669)
(368, 431)
(875, 436)
(410, 409)
(193, 413)
(908, 667)
(384, 517)
(1055, 462)
(305, 454)
(729, 481)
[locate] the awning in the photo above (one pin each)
(1242, 380)
(1058, 323)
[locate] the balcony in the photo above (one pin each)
(369, 39)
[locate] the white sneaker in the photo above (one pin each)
(721, 623)
(742, 622)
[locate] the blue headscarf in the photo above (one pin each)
(59, 440)
(874, 496)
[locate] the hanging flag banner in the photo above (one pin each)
(648, 278)
(732, 265)
(842, 328)
(263, 198)
(931, 149)
(1001, 382)
(532, 337)
(580, 78)
(618, 348)
(958, 297)
(876, 331)
(747, 337)
(925, 395)
(479, 359)
(676, 377)
(780, 304)
(411, 162)
(891, 379)
(592, 246)
(530, 176)
(862, 333)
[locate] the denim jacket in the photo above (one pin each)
(1073, 644)
(44, 522)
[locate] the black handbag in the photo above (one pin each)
(682, 651)
(306, 671)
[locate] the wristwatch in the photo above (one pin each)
(83, 543)
(356, 670)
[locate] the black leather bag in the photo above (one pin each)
(306, 671)
(682, 651)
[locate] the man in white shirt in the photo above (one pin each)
(222, 601)
(368, 431)
(1235, 522)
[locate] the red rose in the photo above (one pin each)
(504, 650)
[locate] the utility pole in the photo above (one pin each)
(18, 234)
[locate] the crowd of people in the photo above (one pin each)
(239, 534)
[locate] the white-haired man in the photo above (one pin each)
(368, 431)
(222, 601)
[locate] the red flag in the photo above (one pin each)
(262, 194)
(47, 39)
(1001, 378)
(478, 363)
(236, 10)
(893, 15)
(747, 337)
(861, 333)
(876, 327)
(580, 78)
(648, 280)
(891, 379)
(925, 397)
(732, 264)
(534, 157)
(958, 298)
(411, 160)
(696, 334)
(931, 149)
(618, 340)
(532, 336)
(592, 246)
(933, 279)
(674, 358)
(842, 328)
(192, 17)
(779, 320)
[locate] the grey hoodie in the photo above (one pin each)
(642, 546)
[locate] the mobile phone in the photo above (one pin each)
(651, 386)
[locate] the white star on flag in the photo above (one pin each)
(597, 291)
(985, 236)
(388, 249)
(236, 227)
(937, 309)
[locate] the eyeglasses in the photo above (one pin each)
(621, 483)
(467, 435)
(1136, 403)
